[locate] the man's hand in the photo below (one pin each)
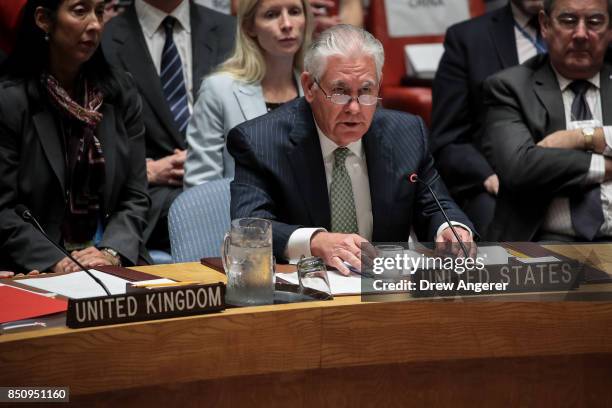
(334, 248)
(89, 257)
(63, 265)
(447, 239)
(322, 20)
(6, 274)
(168, 170)
(564, 139)
(491, 184)
(319, 7)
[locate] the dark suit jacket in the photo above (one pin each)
(280, 175)
(212, 36)
(524, 106)
(32, 173)
(474, 50)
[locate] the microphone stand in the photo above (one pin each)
(414, 178)
(27, 216)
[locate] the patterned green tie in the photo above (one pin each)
(343, 215)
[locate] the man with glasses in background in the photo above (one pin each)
(548, 133)
(474, 50)
(331, 170)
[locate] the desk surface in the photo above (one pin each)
(284, 339)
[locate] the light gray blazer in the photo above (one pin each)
(223, 102)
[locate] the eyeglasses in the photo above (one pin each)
(596, 22)
(343, 99)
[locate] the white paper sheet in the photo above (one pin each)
(543, 259)
(79, 285)
(339, 284)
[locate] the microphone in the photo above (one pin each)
(414, 178)
(25, 214)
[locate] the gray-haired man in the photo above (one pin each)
(331, 169)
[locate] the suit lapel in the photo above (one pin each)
(605, 84)
(204, 44)
(52, 144)
(306, 160)
(105, 134)
(502, 34)
(381, 177)
(250, 99)
(135, 57)
(546, 88)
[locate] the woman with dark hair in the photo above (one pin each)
(71, 145)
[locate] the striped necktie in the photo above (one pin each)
(172, 78)
(585, 207)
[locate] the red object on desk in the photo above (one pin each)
(18, 304)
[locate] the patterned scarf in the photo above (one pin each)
(87, 169)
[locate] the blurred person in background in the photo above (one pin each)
(168, 46)
(328, 13)
(113, 8)
(262, 73)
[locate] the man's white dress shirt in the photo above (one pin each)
(151, 19)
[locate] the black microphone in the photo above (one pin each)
(27, 216)
(414, 178)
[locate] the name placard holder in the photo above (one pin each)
(146, 304)
(517, 277)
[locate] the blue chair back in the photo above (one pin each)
(198, 220)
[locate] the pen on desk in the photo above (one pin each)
(357, 271)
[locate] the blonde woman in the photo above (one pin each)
(261, 75)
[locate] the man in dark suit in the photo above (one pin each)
(331, 170)
(146, 43)
(474, 50)
(547, 132)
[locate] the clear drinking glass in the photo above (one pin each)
(312, 274)
(248, 262)
(387, 251)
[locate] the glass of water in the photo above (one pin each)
(391, 253)
(312, 275)
(248, 262)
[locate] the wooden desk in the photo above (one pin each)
(338, 353)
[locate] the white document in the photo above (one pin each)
(338, 283)
(410, 18)
(422, 60)
(543, 259)
(79, 285)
